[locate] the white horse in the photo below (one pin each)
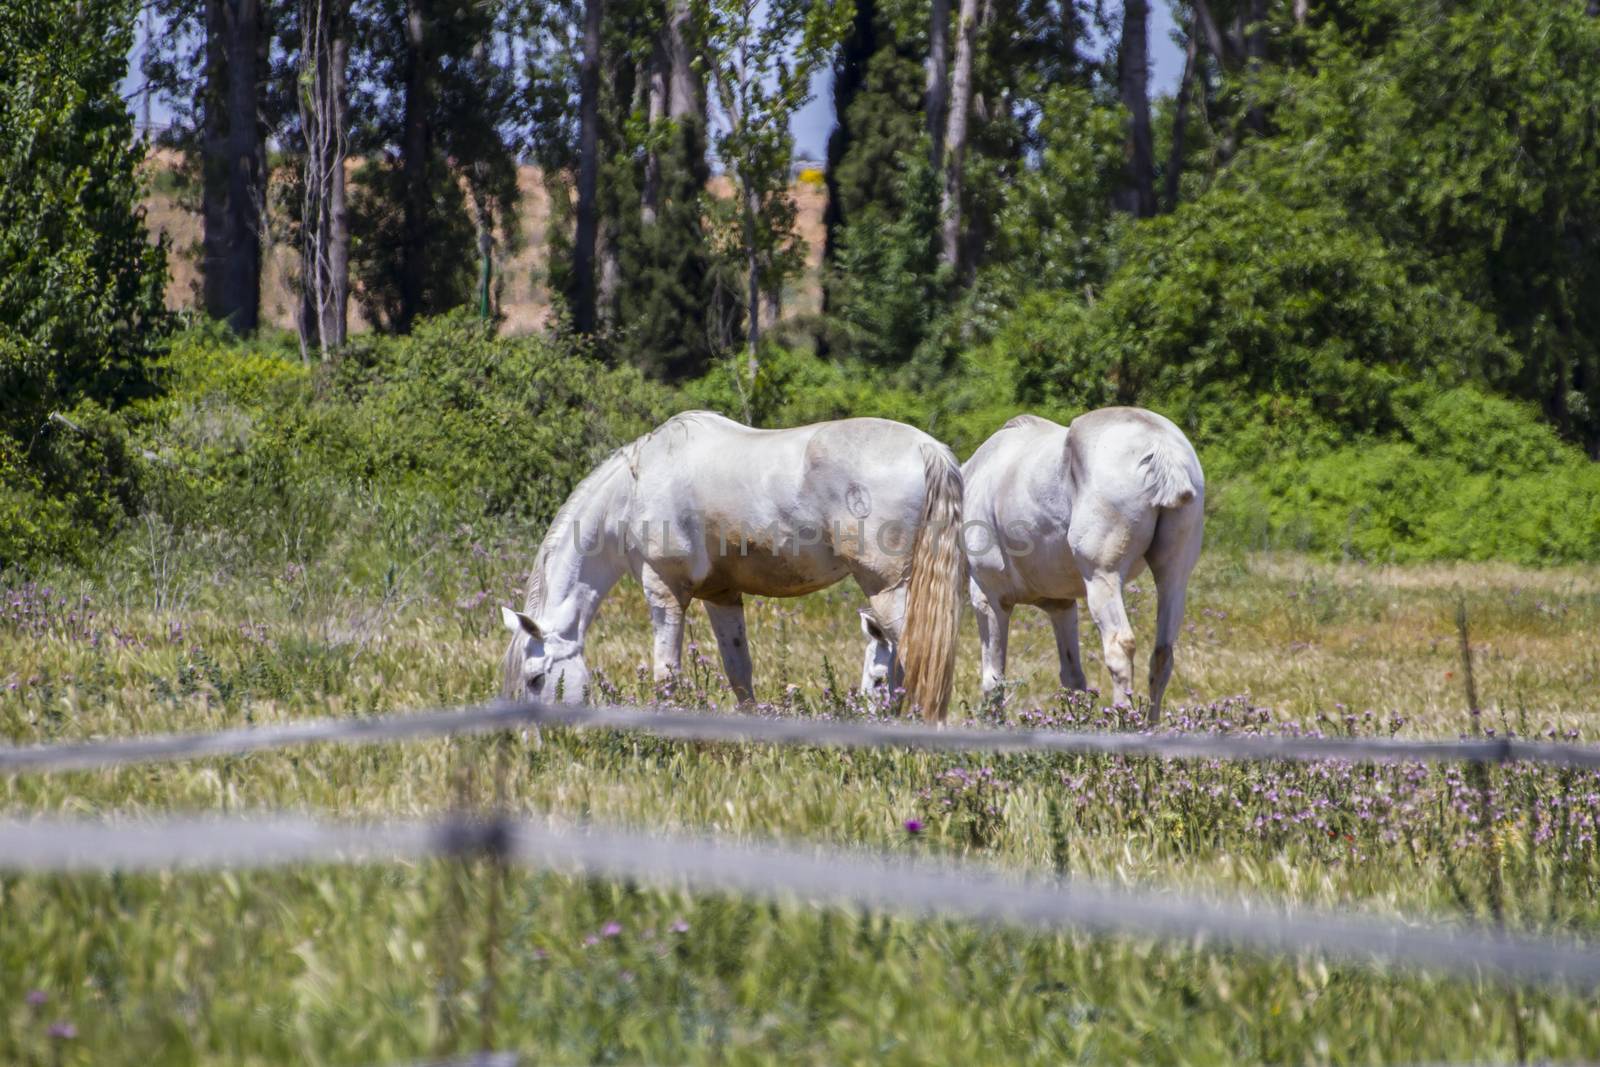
(1057, 514)
(705, 508)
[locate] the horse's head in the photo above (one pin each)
(541, 664)
(880, 670)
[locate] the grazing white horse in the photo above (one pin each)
(1056, 514)
(705, 508)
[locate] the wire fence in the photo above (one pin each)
(918, 888)
(677, 724)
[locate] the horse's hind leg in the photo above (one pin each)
(1064, 620)
(667, 605)
(1171, 557)
(1105, 546)
(1116, 632)
(727, 622)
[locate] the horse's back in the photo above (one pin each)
(1094, 488)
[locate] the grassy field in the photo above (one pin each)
(377, 964)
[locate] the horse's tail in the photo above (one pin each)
(1171, 474)
(933, 599)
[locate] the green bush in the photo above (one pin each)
(1473, 476)
(1235, 297)
(402, 440)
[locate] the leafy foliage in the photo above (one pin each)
(886, 293)
(81, 304)
(1236, 297)
(1468, 133)
(444, 426)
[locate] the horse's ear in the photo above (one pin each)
(517, 622)
(870, 627)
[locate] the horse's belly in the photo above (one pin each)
(1055, 576)
(1048, 574)
(762, 572)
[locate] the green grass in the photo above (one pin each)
(375, 964)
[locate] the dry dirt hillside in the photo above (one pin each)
(525, 299)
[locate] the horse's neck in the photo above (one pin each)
(586, 554)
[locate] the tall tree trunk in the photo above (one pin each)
(609, 282)
(336, 313)
(1216, 44)
(416, 162)
(1133, 78)
(483, 218)
(1180, 119)
(752, 212)
(583, 251)
(656, 74)
(849, 78)
(1255, 50)
(234, 168)
(938, 91)
(686, 93)
(955, 139)
(1302, 10)
(325, 227)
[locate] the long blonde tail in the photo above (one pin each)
(933, 599)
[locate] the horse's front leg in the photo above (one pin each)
(1064, 620)
(727, 622)
(667, 605)
(994, 628)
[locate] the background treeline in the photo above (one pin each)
(1356, 254)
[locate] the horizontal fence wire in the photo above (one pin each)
(913, 887)
(677, 724)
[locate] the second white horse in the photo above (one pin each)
(1056, 514)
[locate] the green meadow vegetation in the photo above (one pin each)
(1367, 292)
(319, 544)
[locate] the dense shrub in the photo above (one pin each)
(1237, 297)
(404, 438)
(1472, 476)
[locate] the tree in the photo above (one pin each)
(81, 284)
(1133, 83)
(417, 160)
(440, 171)
(938, 78)
(878, 86)
(234, 163)
(1180, 118)
(584, 308)
(324, 217)
(762, 69)
(1498, 187)
(956, 132)
(673, 299)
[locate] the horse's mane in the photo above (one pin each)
(533, 603)
(626, 456)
